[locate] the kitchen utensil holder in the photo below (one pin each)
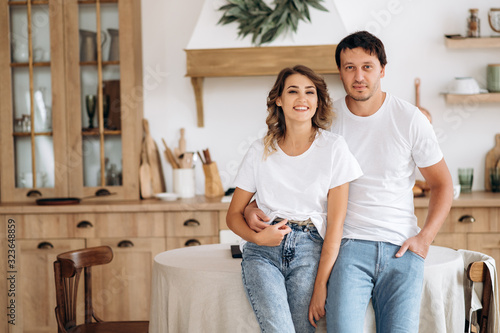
(213, 184)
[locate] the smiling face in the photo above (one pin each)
(299, 99)
(360, 73)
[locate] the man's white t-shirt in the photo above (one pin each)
(296, 187)
(388, 145)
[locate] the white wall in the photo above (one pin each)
(235, 107)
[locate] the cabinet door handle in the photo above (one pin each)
(192, 242)
(45, 246)
(125, 243)
(34, 194)
(84, 225)
(191, 223)
(467, 219)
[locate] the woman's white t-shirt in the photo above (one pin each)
(296, 187)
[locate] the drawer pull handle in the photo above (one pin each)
(192, 242)
(45, 246)
(102, 192)
(467, 219)
(84, 225)
(125, 243)
(34, 194)
(191, 223)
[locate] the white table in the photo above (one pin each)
(199, 289)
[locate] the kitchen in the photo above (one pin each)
(234, 109)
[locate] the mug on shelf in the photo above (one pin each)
(493, 77)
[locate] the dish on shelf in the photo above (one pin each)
(167, 196)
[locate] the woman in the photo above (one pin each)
(299, 173)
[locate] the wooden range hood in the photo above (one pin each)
(253, 61)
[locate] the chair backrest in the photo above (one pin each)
(68, 269)
(478, 272)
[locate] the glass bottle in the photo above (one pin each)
(113, 176)
(473, 24)
(26, 123)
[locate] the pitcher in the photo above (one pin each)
(114, 47)
(20, 52)
(88, 46)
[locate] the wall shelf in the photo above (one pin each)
(472, 99)
(253, 61)
(472, 43)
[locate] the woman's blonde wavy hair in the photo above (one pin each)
(276, 126)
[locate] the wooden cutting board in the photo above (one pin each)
(492, 161)
(145, 175)
(153, 157)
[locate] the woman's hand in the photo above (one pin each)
(273, 234)
(317, 305)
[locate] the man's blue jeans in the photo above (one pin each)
(364, 270)
(279, 280)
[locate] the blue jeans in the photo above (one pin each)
(364, 270)
(279, 280)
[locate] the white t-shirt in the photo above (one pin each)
(388, 145)
(296, 187)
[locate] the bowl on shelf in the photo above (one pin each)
(464, 86)
(167, 196)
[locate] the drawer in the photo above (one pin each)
(178, 242)
(35, 226)
(465, 219)
(119, 224)
(191, 224)
(474, 219)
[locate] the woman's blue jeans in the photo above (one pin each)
(279, 280)
(364, 270)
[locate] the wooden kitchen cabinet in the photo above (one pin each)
(36, 286)
(135, 230)
(123, 287)
(55, 68)
(472, 224)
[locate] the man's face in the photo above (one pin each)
(360, 73)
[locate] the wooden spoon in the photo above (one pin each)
(182, 142)
(417, 100)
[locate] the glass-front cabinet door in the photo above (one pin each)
(71, 99)
(31, 111)
(99, 66)
(104, 96)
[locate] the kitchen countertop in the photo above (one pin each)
(200, 202)
(473, 199)
(197, 203)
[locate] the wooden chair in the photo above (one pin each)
(67, 269)
(479, 272)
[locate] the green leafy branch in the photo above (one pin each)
(254, 17)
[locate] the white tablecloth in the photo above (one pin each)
(199, 289)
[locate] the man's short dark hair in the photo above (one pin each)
(366, 41)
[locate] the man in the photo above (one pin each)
(383, 250)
